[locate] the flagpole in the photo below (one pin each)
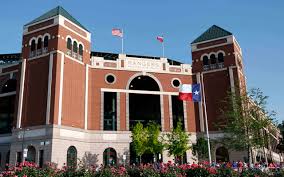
(163, 49)
(122, 42)
(206, 120)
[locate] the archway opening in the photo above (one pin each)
(144, 108)
(222, 154)
(72, 157)
(31, 156)
(110, 157)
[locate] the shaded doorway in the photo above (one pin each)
(110, 157)
(144, 108)
(31, 156)
(222, 154)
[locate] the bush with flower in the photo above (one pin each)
(28, 169)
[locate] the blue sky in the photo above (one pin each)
(257, 25)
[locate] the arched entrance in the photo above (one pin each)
(222, 154)
(110, 157)
(72, 157)
(31, 156)
(144, 108)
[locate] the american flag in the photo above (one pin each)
(117, 32)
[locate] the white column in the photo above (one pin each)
(86, 96)
(21, 94)
(162, 112)
(232, 81)
(127, 110)
(171, 111)
(47, 118)
(61, 88)
(185, 116)
(102, 110)
(117, 111)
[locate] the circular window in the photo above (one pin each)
(176, 82)
(110, 78)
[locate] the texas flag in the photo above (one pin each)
(160, 38)
(188, 92)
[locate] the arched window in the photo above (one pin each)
(205, 60)
(9, 86)
(80, 49)
(212, 59)
(33, 45)
(45, 42)
(110, 157)
(39, 43)
(220, 57)
(69, 44)
(75, 47)
(72, 157)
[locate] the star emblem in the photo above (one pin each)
(196, 92)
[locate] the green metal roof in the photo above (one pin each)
(54, 12)
(212, 33)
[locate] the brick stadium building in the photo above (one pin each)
(60, 100)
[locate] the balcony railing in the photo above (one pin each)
(213, 66)
(80, 57)
(205, 67)
(74, 55)
(69, 52)
(32, 54)
(220, 65)
(38, 52)
(45, 50)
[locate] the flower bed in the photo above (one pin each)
(28, 169)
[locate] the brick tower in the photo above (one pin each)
(53, 44)
(217, 64)
(46, 41)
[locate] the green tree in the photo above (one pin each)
(140, 139)
(245, 120)
(200, 148)
(178, 141)
(155, 141)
